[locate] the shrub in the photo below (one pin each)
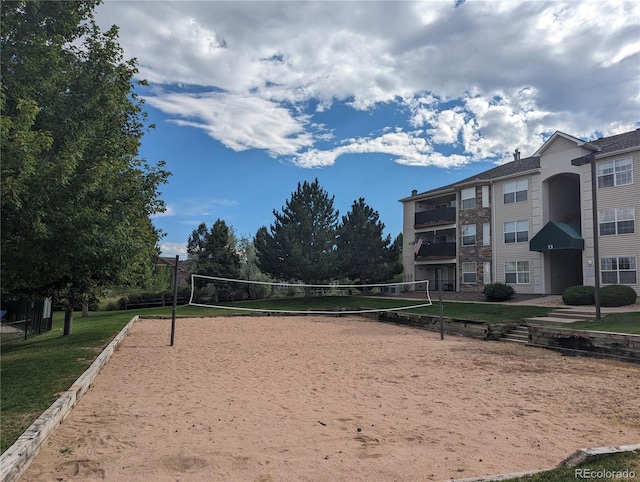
(617, 295)
(579, 295)
(498, 292)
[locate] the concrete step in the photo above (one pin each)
(574, 314)
(517, 335)
(515, 340)
(550, 319)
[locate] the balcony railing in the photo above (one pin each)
(435, 216)
(437, 250)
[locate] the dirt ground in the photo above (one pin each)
(333, 398)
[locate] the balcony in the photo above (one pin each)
(434, 217)
(437, 250)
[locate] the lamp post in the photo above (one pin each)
(591, 159)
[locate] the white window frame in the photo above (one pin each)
(485, 197)
(469, 276)
(615, 173)
(486, 272)
(486, 234)
(619, 270)
(515, 191)
(517, 272)
(468, 198)
(612, 219)
(519, 229)
(466, 232)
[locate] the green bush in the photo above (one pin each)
(498, 292)
(617, 295)
(579, 295)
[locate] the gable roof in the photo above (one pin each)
(574, 140)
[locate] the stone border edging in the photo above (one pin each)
(15, 460)
(585, 455)
(580, 456)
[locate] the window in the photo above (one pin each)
(515, 191)
(486, 234)
(619, 270)
(485, 196)
(469, 235)
(516, 231)
(469, 274)
(616, 221)
(516, 272)
(468, 197)
(486, 272)
(615, 173)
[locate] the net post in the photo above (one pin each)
(440, 300)
(175, 301)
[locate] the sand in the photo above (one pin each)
(333, 398)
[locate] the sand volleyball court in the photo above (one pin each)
(326, 398)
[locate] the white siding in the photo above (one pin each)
(621, 196)
(514, 251)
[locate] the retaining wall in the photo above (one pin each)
(474, 329)
(593, 343)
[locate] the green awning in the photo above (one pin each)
(556, 235)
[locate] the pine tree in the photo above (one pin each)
(300, 244)
(363, 253)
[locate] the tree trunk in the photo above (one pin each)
(85, 310)
(68, 321)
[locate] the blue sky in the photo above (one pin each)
(373, 99)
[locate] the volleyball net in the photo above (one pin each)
(300, 298)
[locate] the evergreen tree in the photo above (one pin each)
(214, 253)
(300, 244)
(363, 253)
(75, 198)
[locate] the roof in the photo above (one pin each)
(509, 169)
(604, 145)
(611, 144)
(620, 142)
(170, 262)
(555, 235)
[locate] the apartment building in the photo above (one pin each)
(529, 222)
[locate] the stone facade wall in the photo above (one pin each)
(479, 253)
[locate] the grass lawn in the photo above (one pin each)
(612, 465)
(488, 312)
(615, 322)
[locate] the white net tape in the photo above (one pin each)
(208, 291)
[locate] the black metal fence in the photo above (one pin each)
(24, 318)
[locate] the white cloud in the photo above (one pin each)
(483, 78)
(408, 148)
(190, 207)
(239, 121)
(168, 211)
(174, 249)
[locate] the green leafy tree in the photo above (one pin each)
(364, 254)
(300, 244)
(249, 269)
(76, 199)
(214, 253)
